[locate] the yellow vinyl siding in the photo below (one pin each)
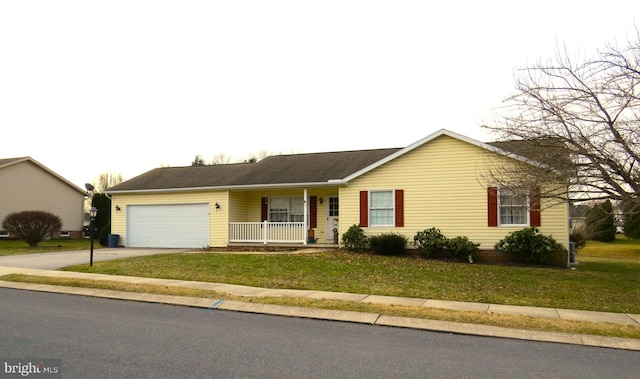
(236, 206)
(219, 220)
(443, 183)
(239, 206)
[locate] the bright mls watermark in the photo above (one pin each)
(30, 368)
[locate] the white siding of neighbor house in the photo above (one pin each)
(445, 186)
(25, 186)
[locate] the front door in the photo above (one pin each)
(332, 219)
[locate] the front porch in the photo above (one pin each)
(272, 233)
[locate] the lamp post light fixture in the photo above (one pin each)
(92, 213)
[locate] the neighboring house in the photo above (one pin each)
(578, 215)
(27, 185)
(302, 198)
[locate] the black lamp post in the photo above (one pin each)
(92, 213)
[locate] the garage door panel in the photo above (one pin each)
(169, 226)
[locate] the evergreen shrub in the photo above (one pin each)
(388, 243)
(529, 245)
(354, 238)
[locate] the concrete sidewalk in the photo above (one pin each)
(359, 317)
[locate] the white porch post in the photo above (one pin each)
(265, 235)
(306, 224)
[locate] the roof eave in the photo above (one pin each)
(330, 183)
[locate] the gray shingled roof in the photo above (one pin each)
(279, 169)
(543, 151)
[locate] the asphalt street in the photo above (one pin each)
(47, 264)
(104, 338)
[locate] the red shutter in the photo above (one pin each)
(492, 206)
(364, 208)
(534, 208)
(313, 212)
(399, 208)
(265, 208)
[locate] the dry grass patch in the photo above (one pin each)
(501, 320)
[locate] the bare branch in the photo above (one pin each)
(591, 113)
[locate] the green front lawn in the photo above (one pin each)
(607, 278)
(13, 247)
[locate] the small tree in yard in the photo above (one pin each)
(32, 226)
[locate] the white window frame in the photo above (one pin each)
(501, 207)
(372, 210)
(287, 209)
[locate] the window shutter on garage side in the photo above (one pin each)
(535, 218)
(399, 208)
(313, 212)
(264, 208)
(364, 209)
(492, 206)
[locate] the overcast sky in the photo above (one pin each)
(88, 87)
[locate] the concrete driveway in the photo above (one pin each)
(54, 261)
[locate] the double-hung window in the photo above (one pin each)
(513, 208)
(381, 208)
(286, 209)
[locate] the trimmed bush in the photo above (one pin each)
(388, 243)
(530, 245)
(32, 226)
(462, 248)
(354, 238)
(430, 242)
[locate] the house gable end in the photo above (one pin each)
(8, 162)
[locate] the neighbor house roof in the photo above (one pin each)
(6, 162)
(314, 169)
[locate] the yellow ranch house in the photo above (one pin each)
(301, 199)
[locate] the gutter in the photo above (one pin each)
(330, 183)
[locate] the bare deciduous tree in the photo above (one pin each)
(220, 158)
(581, 122)
(107, 180)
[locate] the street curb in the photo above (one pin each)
(337, 315)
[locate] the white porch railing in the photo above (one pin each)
(267, 232)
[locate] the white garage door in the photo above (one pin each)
(170, 226)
